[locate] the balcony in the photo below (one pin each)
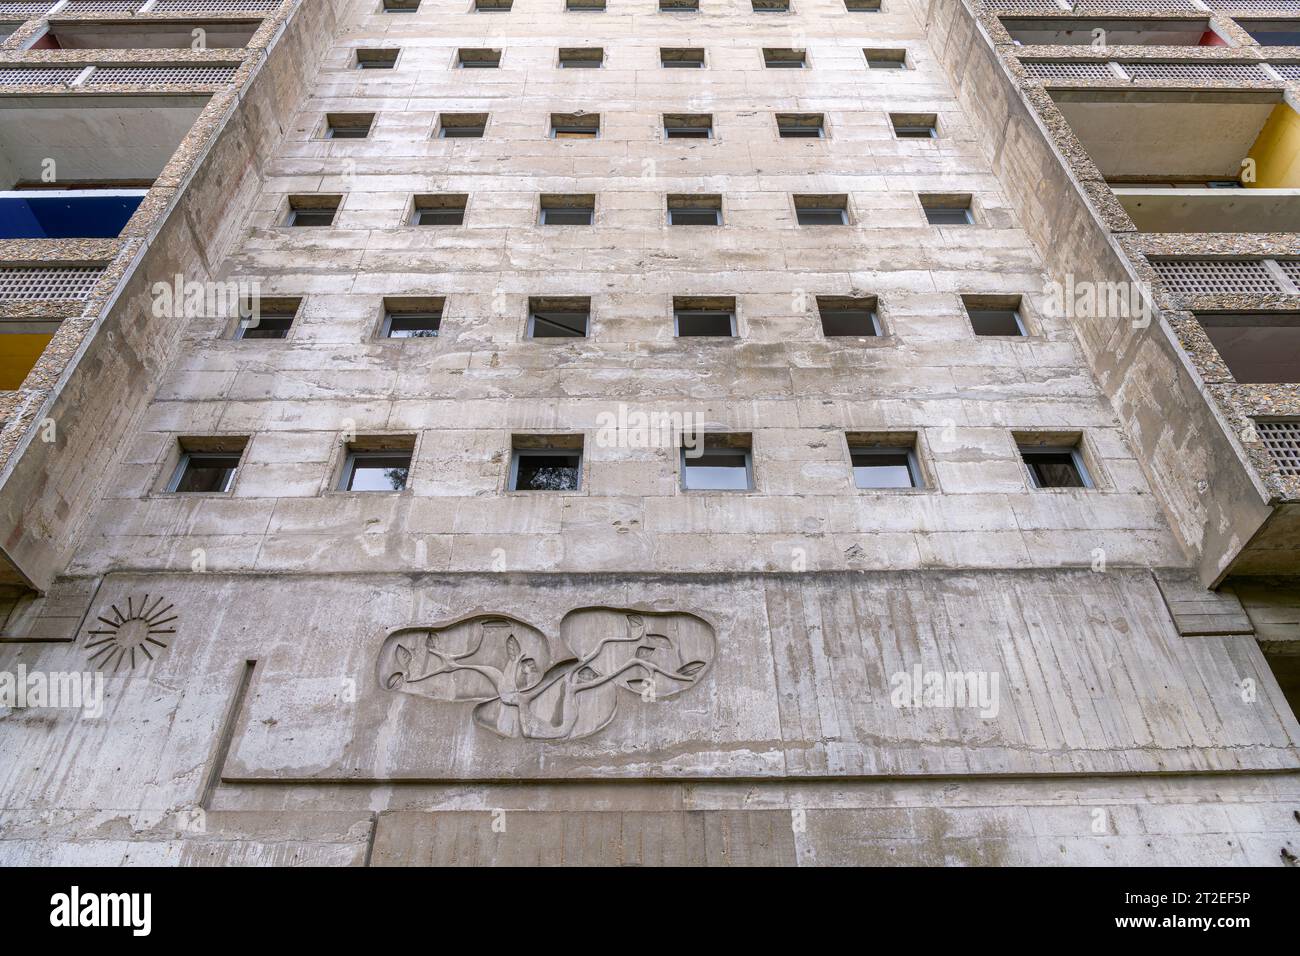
(1193, 161)
(151, 35)
(67, 213)
(1127, 31)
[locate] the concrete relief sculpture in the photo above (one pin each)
(528, 685)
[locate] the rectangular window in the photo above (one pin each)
(312, 211)
(558, 317)
(568, 210)
(708, 316)
(679, 6)
(376, 470)
(848, 317)
(545, 463)
(492, 6)
(401, 6)
(348, 125)
(885, 460)
(862, 6)
(784, 59)
(682, 58)
(947, 210)
(800, 125)
(376, 59)
(478, 59)
(575, 125)
(1051, 465)
(914, 125)
(824, 210)
(995, 314)
(265, 327)
(886, 59)
(588, 5)
(688, 125)
(271, 318)
(207, 465)
(411, 317)
(462, 125)
(582, 58)
(447, 209)
(720, 463)
(1258, 348)
(686, 210)
(771, 6)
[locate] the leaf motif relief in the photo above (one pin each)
(531, 686)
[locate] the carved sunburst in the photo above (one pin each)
(140, 629)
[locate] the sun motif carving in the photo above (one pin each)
(132, 637)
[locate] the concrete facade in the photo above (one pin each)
(973, 671)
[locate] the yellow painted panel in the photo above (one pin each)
(1277, 151)
(18, 353)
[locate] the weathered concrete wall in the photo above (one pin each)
(340, 666)
(464, 393)
(1092, 679)
(1213, 501)
(49, 487)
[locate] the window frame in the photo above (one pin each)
(913, 465)
(1076, 455)
(348, 472)
(706, 448)
(512, 477)
(178, 473)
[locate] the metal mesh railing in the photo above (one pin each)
(1255, 6)
(215, 6)
(1213, 276)
(1237, 72)
(48, 282)
(1282, 439)
(1040, 70)
(39, 76)
(184, 75)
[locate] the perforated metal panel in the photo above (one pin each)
(1067, 71)
(39, 77)
(10, 10)
(1255, 6)
(69, 282)
(1290, 71)
(1282, 439)
(193, 75)
(1291, 267)
(1195, 71)
(1004, 5)
(1102, 6)
(214, 6)
(1211, 276)
(102, 6)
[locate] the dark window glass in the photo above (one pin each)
(547, 471)
(201, 472)
(848, 322)
(267, 327)
(947, 216)
(559, 325)
(995, 322)
(1054, 469)
(706, 323)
